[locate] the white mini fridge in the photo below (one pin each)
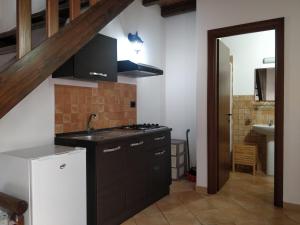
(52, 179)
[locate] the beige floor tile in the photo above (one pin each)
(199, 205)
(151, 211)
(129, 222)
(284, 220)
(182, 219)
(294, 215)
(215, 216)
(244, 200)
(158, 219)
(171, 204)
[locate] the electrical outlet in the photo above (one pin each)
(132, 104)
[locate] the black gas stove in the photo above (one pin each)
(145, 126)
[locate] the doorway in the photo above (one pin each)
(217, 165)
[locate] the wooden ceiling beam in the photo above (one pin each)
(150, 2)
(178, 8)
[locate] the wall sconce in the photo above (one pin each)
(269, 60)
(136, 41)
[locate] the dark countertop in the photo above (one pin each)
(106, 135)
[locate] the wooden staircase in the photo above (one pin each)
(33, 66)
(38, 21)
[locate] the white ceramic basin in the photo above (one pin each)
(264, 129)
(269, 132)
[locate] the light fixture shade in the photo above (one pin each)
(136, 41)
(269, 60)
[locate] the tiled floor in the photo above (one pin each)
(245, 200)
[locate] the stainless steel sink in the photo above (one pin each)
(99, 135)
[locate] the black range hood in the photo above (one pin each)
(131, 69)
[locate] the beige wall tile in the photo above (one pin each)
(110, 101)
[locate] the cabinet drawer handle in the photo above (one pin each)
(160, 153)
(98, 74)
(62, 166)
(159, 138)
(112, 149)
(136, 144)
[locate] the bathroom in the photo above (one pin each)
(252, 102)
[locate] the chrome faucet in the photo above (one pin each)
(271, 122)
(88, 126)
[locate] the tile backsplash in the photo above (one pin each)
(247, 112)
(110, 102)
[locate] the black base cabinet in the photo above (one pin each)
(124, 177)
(110, 171)
(132, 175)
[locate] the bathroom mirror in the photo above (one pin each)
(265, 84)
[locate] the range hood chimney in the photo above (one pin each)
(131, 69)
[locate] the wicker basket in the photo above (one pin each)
(245, 155)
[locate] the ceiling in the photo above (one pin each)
(172, 7)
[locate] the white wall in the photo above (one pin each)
(31, 122)
(8, 12)
(150, 25)
(219, 13)
(248, 52)
(180, 77)
(8, 15)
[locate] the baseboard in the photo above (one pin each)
(291, 206)
(202, 190)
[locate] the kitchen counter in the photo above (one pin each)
(105, 135)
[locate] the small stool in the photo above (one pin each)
(244, 155)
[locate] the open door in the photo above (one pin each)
(223, 69)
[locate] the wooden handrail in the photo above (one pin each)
(12, 204)
(26, 74)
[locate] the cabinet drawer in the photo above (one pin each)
(160, 139)
(111, 148)
(178, 160)
(137, 144)
(177, 149)
(177, 173)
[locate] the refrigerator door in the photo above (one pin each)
(58, 189)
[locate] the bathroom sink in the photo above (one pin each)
(264, 129)
(267, 130)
